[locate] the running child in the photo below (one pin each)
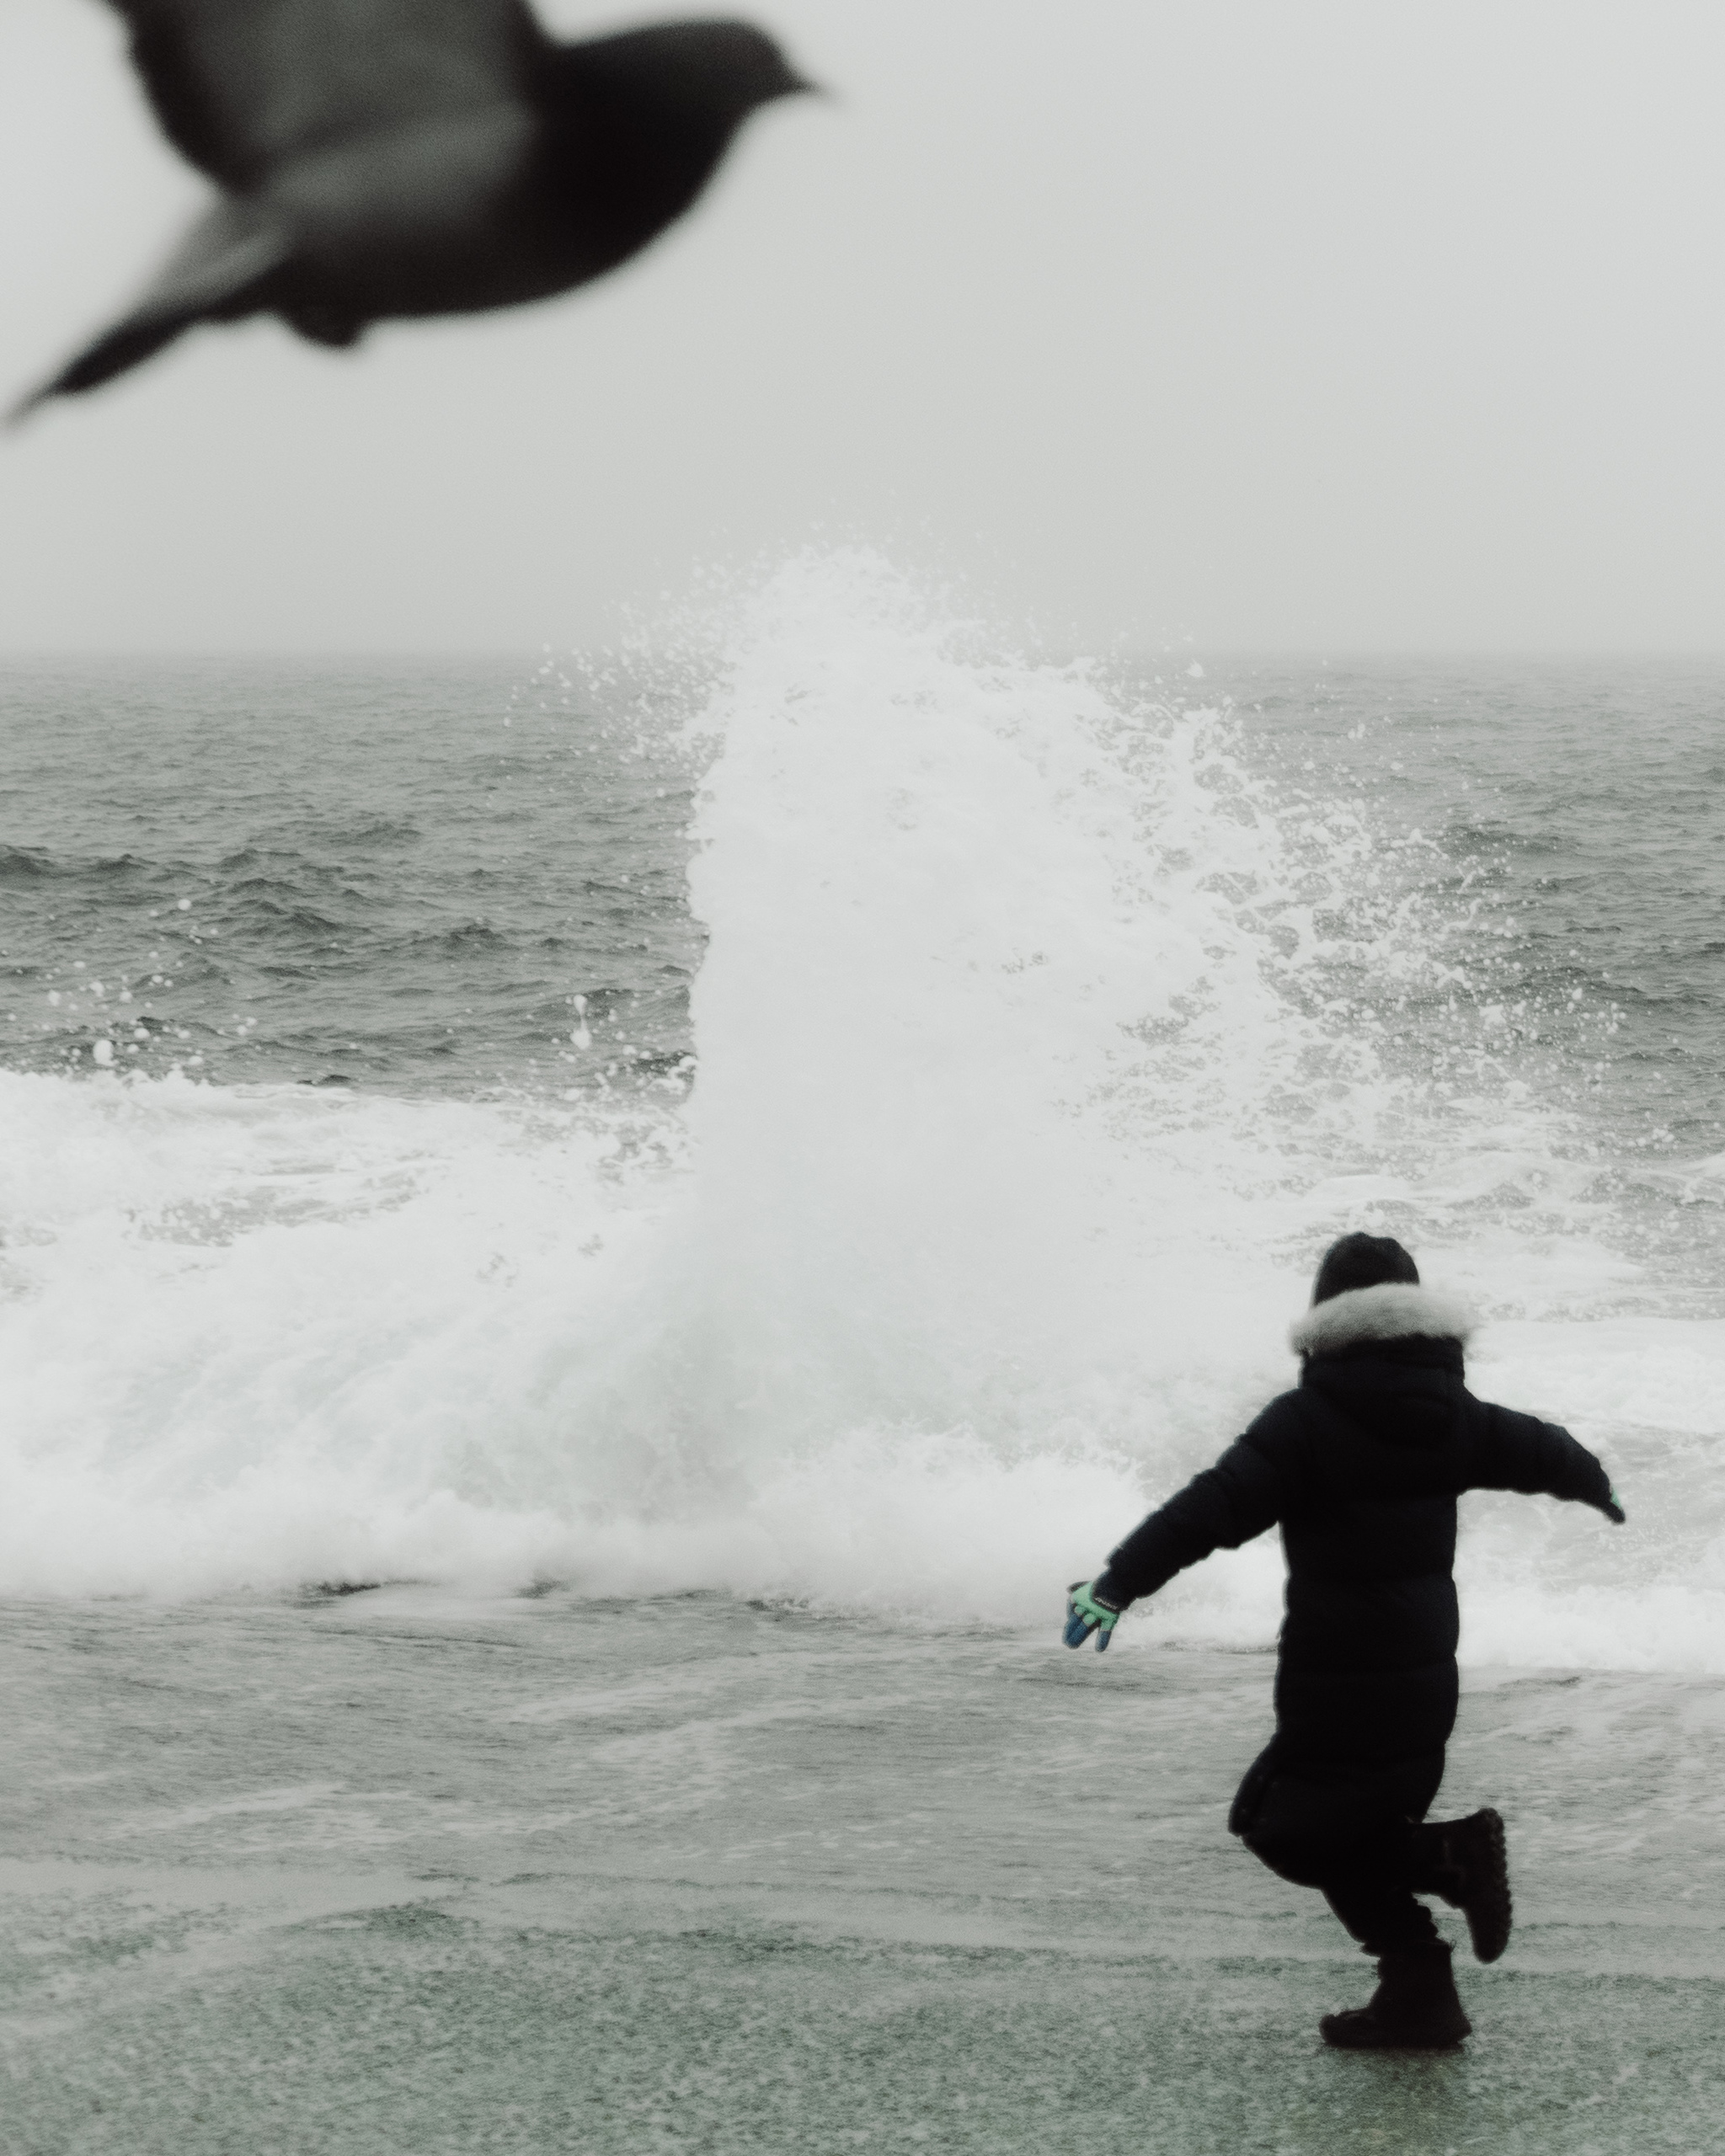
(1361, 1467)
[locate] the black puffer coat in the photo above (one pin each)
(1361, 1468)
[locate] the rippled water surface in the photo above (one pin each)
(400, 876)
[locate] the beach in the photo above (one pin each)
(389, 1871)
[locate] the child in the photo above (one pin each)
(1361, 1468)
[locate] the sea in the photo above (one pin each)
(588, 1242)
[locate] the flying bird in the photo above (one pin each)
(382, 159)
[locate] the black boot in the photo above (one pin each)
(1414, 2007)
(1465, 1861)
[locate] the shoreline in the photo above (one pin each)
(697, 1874)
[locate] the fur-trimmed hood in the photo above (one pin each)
(1394, 1310)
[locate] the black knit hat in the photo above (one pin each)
(1362, 1261)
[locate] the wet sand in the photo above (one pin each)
(397, 1872)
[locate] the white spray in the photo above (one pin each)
(1025, 1101)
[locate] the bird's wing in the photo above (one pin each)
(241, 85)
(227, 254)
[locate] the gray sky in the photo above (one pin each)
(1297, 323)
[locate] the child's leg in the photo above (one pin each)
(1354, 1840)
(1374, 1903)
(1360, 1843)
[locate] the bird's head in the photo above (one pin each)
(726, 68)
(743, 64)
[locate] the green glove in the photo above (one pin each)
(1085, 1615)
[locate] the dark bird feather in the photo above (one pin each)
(384, 159)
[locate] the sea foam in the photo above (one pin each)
(1042, 1043)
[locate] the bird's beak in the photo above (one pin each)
(803, 87)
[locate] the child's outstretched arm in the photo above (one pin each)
(1228, 1504)
(1518, 1452)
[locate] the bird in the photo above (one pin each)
(393, 159)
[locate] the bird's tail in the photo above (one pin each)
(215, 274)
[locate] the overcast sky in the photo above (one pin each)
(1311, 324)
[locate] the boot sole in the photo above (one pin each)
(1359, 2030)
(1489, 1909)
(1391, 2043)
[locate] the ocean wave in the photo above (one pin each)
(1041, 1043)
